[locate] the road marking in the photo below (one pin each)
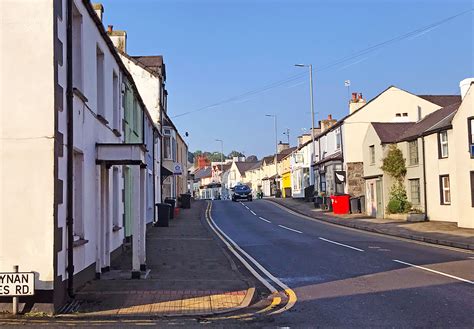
(290, 229)
(360, 231)
(340, 244)
(253, 212)
(437, 272)
(265, 220)
(292, 298)
(373, 247)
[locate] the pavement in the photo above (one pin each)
(350, 278)
(441, 233)
(188, 273)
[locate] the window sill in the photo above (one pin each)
(79, 94)
(102, 119)
(79, 242)
(116, 228)
(116, 133)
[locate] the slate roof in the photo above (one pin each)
(442, 100)
(332, 157)
(203, 173)
(245, 166)
(283, 154)
(436, 120)
(152, 63)
(393, 132)
(390, 132)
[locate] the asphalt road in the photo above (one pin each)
(350, 278)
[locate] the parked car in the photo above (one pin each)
(242, 192)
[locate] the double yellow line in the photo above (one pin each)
(240, 254)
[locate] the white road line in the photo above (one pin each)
(253, 213)
(265, 220)
(247, 207)
(290, 229)
(292, 298)
(437, 272)
(340, 244)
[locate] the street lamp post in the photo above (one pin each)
(313, 157)
(274, 116)
(222, 164)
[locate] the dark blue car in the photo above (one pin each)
(242, 192)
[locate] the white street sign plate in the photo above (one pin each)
(17, 284)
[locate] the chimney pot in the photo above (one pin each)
(110, 28)
(354, 97)
(329, 116)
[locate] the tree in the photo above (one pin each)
(394, 165)
(235, 154)
(251, 158)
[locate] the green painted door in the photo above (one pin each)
(128, 201)
(378, 187)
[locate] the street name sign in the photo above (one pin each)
(17, 284)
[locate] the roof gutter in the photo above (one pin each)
(70, 155)
(425, 199)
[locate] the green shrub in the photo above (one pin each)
(398, 203)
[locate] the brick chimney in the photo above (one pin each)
(356, 102)
(328, 123)
(99, 10)
(119, 38)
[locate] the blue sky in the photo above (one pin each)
(217, 49)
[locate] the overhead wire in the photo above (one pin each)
(299, 76)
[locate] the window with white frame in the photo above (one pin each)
(338, 138)
(115, 102)
(149, 195)
(372, 154)
(78, 185)
(116, 197)
(415, 191)
(445, 189)
(443, 144)
(470, 129)
(100, 90)
(413, 152)
(77, 66)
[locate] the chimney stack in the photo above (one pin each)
(119, 38)
(282, 146)
(328, 123)
(99, 10)
(464, 86)
(356, 102)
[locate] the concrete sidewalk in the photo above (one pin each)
(442, 233)
(188, 273)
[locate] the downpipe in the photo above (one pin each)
(70, 156)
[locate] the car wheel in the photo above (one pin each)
(250, 199)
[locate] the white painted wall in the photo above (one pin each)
(148, 85)
(464, 164)
(27, 138)
(381, 109)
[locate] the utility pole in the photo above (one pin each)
(274, 116)
(313, 156)
(222, 164)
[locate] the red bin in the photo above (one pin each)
(340, 203)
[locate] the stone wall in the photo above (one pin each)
(355, 178)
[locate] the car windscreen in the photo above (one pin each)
(242, 188)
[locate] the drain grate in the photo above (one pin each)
(70, 307)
